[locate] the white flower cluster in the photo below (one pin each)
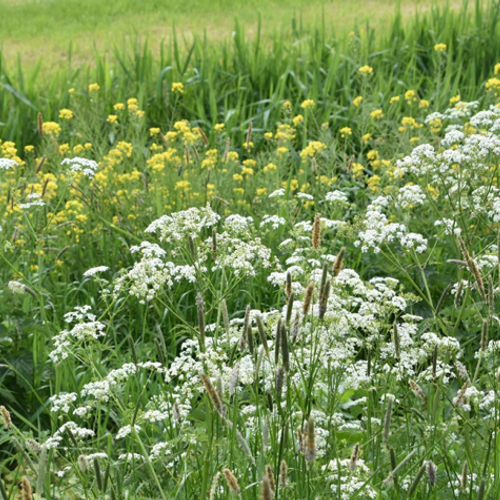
(7, 163)
(379, 231)
(77, 164)
(35, 201)
(179, 225)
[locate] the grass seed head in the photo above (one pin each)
(431, 472)
(231, 481)
(310, 448)
(288, 288)
(338, 264)
(464, 480)
(306, 305)
(214, 396)
(354, 457)
(267, 492)
(262, 334)
(213, 488)
(6, 417)
(270, 475)
(26, 489)
(83, 464)
(283, 473)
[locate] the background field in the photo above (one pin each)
(53, 24)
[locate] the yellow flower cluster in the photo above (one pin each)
(313, 148)
(366, 70)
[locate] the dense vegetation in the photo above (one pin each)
(260, 272)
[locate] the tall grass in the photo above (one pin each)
(237, 81)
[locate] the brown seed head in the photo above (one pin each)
(214, 396)
(6, 417)
(231, 481)
(267, 493)
(270, 475)
(316, 234)
(310, 450)
(306, 305)
(339, 262)
(26, 489)
(283, 473)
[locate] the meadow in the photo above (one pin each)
(257, 267)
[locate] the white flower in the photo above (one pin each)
(7, 163)
(126, 430)
(336, 196)
(94, 270)
(278, 192)
(77, 164)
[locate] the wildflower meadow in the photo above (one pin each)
(264, 272)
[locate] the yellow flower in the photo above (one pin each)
(410, 96)
(77, 149)
(394, 99)
(219, 127)
(357, 170)
(311, 149)
(29, 149)
(248, 145)
(457, 98)
(66, 114)
(308, 103)
(183, 186)
(269, 167)
(440, 47)
(282, 151)
(88, 145)
(286, 106)
(435, 124)
(94, 86)
(351, 34)
(178, 87)
(357, 100)
(493, 84)
(71, 90)
(64, 148)
(497, 68)
(414, 140)
(51, 128)
(139, 113)
(373, 183)
(261, 191)
(119, 106)
(154, 131)
(423, 104)
(232, 156)
(376, 114)
(268, 136)
(367, 138)
(366, 70)
(112, 119)
(297, 120)
(345, 131)
(237, 177)
(408, 122)
(239, 191)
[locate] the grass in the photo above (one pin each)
(54, 24)
(236, 81)
(281, 272)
